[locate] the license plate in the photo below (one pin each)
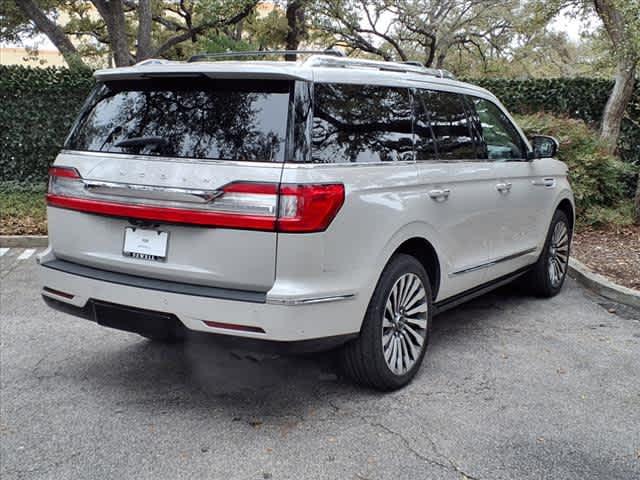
(145, 244)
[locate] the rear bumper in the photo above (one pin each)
(76, 289)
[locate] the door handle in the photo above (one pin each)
(545, 182)
(439, 193)
(504, 187)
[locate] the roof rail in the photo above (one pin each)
(404, 67)
(264, 53)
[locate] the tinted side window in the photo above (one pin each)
(447, 115)
(425, 143)
(476, 129)
(361, 123)
(500, 136)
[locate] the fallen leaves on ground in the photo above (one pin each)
(612, 252)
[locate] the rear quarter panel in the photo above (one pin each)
(381, 210)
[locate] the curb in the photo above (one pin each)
(24, 241)
(602, 286)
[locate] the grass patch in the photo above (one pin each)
(22, 209)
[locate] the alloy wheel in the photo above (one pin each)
(558, 254)
(404, 323)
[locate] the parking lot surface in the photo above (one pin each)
(512, 387)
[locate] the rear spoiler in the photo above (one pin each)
(239, 70)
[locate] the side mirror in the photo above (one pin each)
(544, 146)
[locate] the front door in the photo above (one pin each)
(522, 199)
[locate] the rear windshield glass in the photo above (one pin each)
(187, 117)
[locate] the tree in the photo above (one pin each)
(425, 30)
(132, 30)
(296, 25)
(30, 9)
(621, 19)
(622, 25)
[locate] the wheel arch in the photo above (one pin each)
(423, 251)
(565, 205)
(418, 239)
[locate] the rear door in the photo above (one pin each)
(456, 188)
(185, 167)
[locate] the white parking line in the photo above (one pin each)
(3, 251)
(26, 254)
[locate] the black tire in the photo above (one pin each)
(363, 359)
(539, 280)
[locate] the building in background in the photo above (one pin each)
(17, 55)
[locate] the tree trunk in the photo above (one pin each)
(296, 27)
(637, 201)
(144, 30)
(53, 32)
(112, 12)
(617, 103)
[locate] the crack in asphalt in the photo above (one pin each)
(451, 464)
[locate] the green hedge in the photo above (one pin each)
(581, 98)
(38, 106)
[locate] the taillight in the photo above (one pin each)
(308, 208)
(270, 207)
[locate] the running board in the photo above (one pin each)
(478, 291)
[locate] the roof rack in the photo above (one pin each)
(403, 67)
(264, 53)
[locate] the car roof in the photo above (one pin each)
(315, 68)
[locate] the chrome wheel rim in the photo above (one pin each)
(558, 254)
(404, 323)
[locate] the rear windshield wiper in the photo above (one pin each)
(141, 141)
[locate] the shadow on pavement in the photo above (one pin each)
(212, 373)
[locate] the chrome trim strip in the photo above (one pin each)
(347, 164)
(490, 263)
(187, 160)
(149, 192)
(309, 301)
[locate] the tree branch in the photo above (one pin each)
(52, 31)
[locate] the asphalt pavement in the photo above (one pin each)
(512, 387)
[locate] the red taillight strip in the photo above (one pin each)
(58, 292)
(233, 326)
(296, 208)
(164, 214)
(65, 172)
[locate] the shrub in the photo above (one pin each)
(581, 98)
(38, 109)
(601, 182)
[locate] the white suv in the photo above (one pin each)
(330, 202)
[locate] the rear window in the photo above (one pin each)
(187, 117)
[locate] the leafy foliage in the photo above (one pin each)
(38, 108)
(601, 182)
(580, 98)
